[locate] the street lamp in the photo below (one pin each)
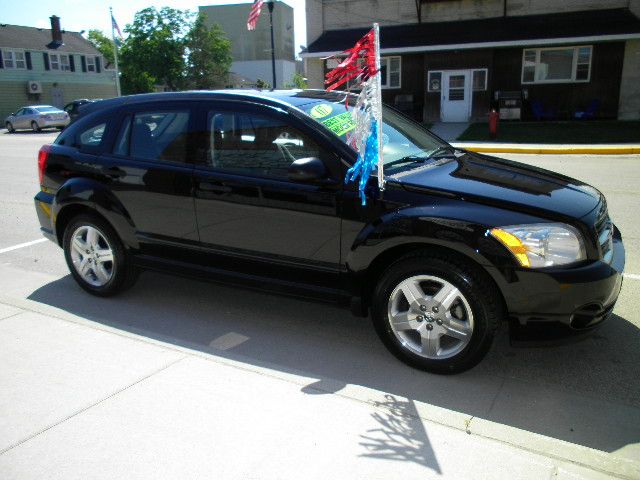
(273, 48)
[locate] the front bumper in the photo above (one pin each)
(555, 303)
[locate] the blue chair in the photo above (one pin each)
(540, 113)
(589, 112)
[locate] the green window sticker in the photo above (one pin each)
(340, 124)
(321, 111)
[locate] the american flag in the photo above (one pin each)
(115, 26)
(254, 14)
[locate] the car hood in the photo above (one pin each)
(503, 183)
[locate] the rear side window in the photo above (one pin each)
(154, 135)
(91, 137)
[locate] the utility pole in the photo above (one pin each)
(273, 45)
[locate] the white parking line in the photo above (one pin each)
(22, 245)
(632, 276)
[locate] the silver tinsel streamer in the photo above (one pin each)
(365, 110)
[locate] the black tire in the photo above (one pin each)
(476, 286)
(35, 127)
(124, 273)
(10, 128)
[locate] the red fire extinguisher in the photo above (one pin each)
(494, 116)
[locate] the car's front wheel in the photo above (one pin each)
(436, 313)
(96, 257)
(10, 128)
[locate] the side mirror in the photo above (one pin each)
(307, 170)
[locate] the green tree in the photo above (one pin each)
(208, 56)
(103, 43)
(154, 51)
(297, 81)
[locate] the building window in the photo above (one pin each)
(13, 59)
(54, 61)
(390, 76)
(91, 64)
(556, 65)
(64, 63)
(480, 80)
(434, 83)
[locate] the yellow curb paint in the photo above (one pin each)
(558, 151)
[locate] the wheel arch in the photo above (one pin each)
(388, 257)
(79, 196)
(69, 212)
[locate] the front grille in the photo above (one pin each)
(604, 234)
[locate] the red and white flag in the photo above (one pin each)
(254, 14)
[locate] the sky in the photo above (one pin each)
(77, 15)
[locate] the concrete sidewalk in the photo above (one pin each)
(83, 400)
(548, 149)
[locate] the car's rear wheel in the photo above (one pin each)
(10, 128)
(34, 126)
(436, 313)
(96, 257)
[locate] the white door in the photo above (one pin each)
(455, 102)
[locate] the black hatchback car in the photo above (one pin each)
(248, 188)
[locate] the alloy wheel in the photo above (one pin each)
(430, 317)
(92, 256)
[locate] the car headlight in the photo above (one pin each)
(542, 244)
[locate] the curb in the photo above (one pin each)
(552, 150)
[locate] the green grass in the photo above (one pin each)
(577, 132)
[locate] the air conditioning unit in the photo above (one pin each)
(34, 87)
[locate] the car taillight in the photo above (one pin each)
(43, 156)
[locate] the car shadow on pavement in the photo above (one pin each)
(586, 393)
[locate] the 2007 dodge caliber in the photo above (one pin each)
(248, 188)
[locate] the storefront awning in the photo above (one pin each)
(549, 29)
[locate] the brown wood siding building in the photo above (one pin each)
(576, 62)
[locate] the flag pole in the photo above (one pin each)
(115, 53)
(376, 37)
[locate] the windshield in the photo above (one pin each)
(402, 138)
(48, 109)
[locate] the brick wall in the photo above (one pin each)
(340, 14)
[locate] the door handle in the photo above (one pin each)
(212, 187)
(114, 172)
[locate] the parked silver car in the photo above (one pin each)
(37, 117)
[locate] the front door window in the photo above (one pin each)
(456, 88)
(255, 145)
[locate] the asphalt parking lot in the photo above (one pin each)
(179, 379)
